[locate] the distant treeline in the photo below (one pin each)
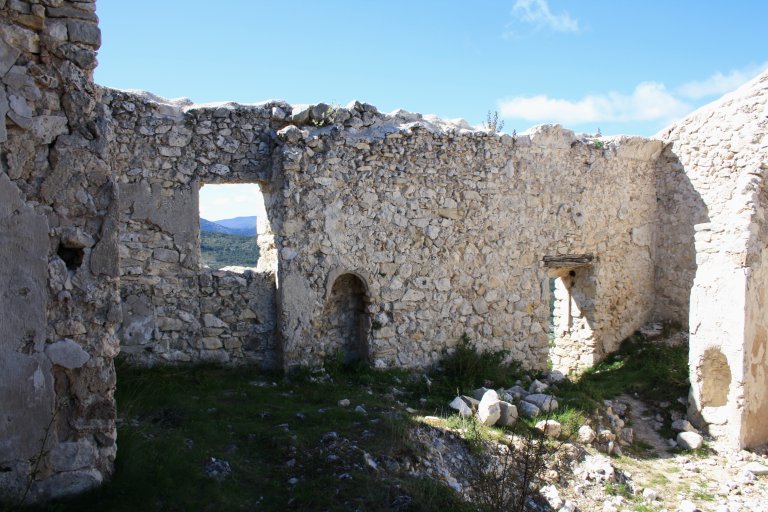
(221, 250)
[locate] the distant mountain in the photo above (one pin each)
(213, 227)
(239, 225)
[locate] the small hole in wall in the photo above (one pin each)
(72, 256)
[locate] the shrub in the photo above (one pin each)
(505, 475)
(467, 368)
(492, 122)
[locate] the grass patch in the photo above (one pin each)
(652, 371)
(618, 489)
(273, 433)
(467, 368)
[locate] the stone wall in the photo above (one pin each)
(59, 281)
(712, 190)
(449, 227)
(446, 227)
(174, 310)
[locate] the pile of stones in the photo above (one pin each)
(610, 433)
(501, 407)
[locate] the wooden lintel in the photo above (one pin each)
(567, 261)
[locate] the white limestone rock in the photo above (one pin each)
(508, 414)
(461, 407)
(489, 410)
(687, 506)
(537, 387)
(479, 393)
(517, 392)
(689, 440)
(67, 353)
(586, 434)
(683, 426)
(756, 468)
(528, 409)
(555, 377)
(549, 428)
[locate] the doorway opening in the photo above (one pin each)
(346, 320)
(572, 341)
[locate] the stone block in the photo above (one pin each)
(67, 353)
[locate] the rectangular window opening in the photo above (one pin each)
(229, 216)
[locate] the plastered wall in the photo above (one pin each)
(711, 257)
(59, 281)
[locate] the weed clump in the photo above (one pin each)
(467, 368)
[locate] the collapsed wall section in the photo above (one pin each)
(174, 310)
(711, 258)
(59, 282)
(448, 229)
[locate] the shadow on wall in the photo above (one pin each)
(572, 341)
(346, 325)
(683, 219)
(680, 210)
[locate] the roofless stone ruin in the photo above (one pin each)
(387, 238)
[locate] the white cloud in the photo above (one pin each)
(227, 201)
(538, 14)
(719, 83)
(648, 102)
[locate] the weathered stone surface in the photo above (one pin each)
(84, 32)
(8, 56)
(67, 353)
(689, 440)
(549, 428)
(508, 416)
(47, 128)
(408, 207)
(71, 456)
(489, 410)
(710, 261)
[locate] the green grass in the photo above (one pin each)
(468, 368)
(174, 419)
(652, 371)
(271, 429)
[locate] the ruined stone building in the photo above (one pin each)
(387, 237)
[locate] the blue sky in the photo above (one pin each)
(621, 66)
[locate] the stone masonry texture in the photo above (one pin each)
(387, 237)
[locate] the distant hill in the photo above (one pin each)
(240, 225)
(206, 226)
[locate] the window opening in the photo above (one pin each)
(228, 225)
